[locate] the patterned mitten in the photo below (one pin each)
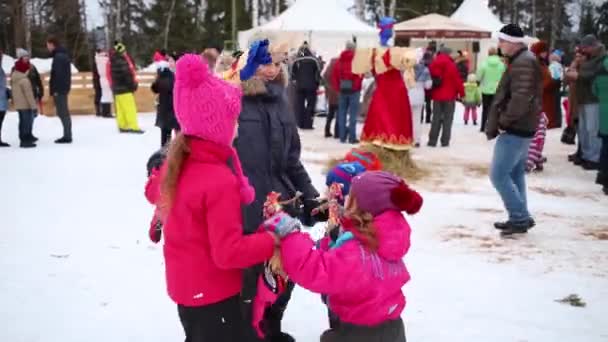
(282, 224)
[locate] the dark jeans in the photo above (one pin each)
(349, 104)
(331, 114)
(165, 136)
(486, 103)
(306, 101)
(604, 161)
(391, 331)
(443, 117)
(212, 323)
(61, 108)
(26, 122)
(2, 115)
(429, 111)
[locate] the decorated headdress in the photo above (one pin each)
(386, 24)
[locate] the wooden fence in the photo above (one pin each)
(81, 99)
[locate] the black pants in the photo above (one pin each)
(62, 111)
(106, 110)
(165, 136)
(558, 104)
(428, 108)
(391, 331)
(26, 122)
(2, 115)
(213, 323)
(306, 101)
(486, 102)
(604, 162)
(331, 115)
(443, 118)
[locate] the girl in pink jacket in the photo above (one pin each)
(363, 272)
(202, 188)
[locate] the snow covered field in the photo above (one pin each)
(76, 264)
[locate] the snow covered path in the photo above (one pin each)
(76, 264)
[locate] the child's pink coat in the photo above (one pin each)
(363, 288)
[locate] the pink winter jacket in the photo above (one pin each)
(363, 288)
(205, 248)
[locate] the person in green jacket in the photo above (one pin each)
(600, 90)
(472, 99)
(489, 74)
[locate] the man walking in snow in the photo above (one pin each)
(306, 73)
(60, 85)
(513, 119)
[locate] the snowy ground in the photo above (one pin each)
(76, 265)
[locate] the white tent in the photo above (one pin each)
(323, 23)
(478, 12)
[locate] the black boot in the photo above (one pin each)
(590, 166)
(513, 228)
(3, 144)
(27, 144)
(601, 179)
(505, 225)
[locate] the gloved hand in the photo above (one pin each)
(308, 218)
(156, 230)
(282, 224)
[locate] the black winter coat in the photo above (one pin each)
(268, 146)
(123, 80)
(163, 86)
(61, 72)
(306, 73)
(36, 82)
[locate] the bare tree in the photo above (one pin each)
(392, 8)
(168, 24)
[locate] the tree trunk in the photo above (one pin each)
(118, 20)
(360, 9)
(18, 20)
(392, 8)
(534, 18)
(255, 13)
(168, 24)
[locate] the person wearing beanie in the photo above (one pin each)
(416, 91)
(349, 86)
(588, 102)
(120, 71)
(60, 84)
(4, 97)
(541, 50)
(343, 174)
(201, 191)
(106, 99)
(165, 115)
(268, 145)
(362, 272)
(472, 99)
(513, 119)
(34, 76)
(332, 97)
(306, 75)
(24, 102)
(489, 74)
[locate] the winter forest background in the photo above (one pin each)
(184, 25)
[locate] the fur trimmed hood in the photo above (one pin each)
(255, 86)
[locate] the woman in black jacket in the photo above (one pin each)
(268, 145)
(165, 116)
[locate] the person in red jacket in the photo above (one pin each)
(349, 86)
(447, 88)
(202, 189)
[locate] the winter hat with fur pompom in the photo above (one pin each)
(380, 191)
(208, 108)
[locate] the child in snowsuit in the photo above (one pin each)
(201, 193)
(363, 271)
(472, 99)
(535, 153)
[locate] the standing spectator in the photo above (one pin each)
(462, 64)
(349, 85)
(306, 74)
(165, 115)
(24, 101)
(60, 85)
(600, 89)
(423, 81)
(489, 74)
(541, 50)
(472, 99)
(513, 119)
(428, 93)
(106, 99)
(557, 75)
(268, 145)
(449, 89)
(588, 102)
(332, 96)
(573, 107)
(3, 100)
(37, 87)
(121, 75)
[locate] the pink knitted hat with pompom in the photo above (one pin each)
(208, 108)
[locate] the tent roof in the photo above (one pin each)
(316, 16)
(478, 12)
(438, 26)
